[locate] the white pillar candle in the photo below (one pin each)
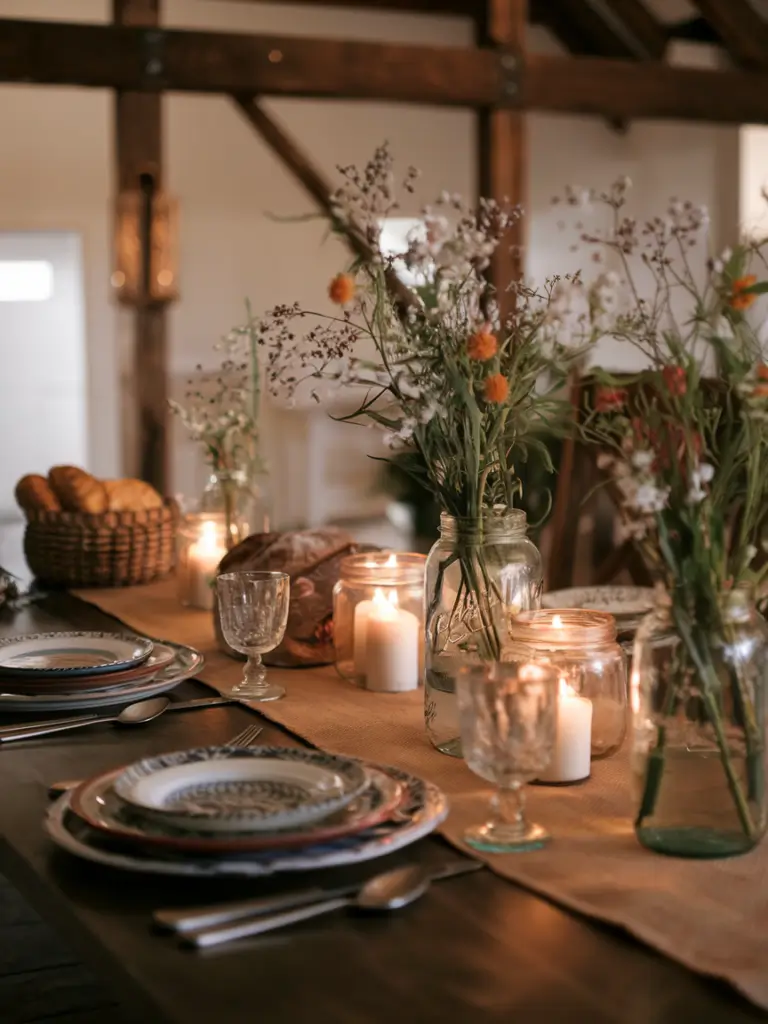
(360, 630)
(203, 563)
(573, 740)
(391, 646)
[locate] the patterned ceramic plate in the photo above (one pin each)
(162, 655)
(621, 602)
(98, 806)
(187, 663)
(235, 789)
(427, 808)
(82, 653)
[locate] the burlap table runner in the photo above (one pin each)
(710, 915)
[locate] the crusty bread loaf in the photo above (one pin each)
(77, 490)
(131, 496)
(34, 494)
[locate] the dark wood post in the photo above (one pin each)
(502, 138)
(138, 138)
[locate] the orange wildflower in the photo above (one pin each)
(762, 371)
(482, 346)
(760, 391)
(341, 290)
(496, 388)
(740, 298)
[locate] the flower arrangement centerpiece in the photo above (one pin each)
(684, 444)
(221, 412)
(447, 380)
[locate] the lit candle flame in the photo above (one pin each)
(209, 537)
(565, 690)
(557, 622)
(384, 605)
(391, 562)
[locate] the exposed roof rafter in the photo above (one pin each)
(743, 31)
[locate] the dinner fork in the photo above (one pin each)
(246, 737)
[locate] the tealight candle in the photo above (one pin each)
(592, 667)
(391, 647)
(573, 739)
(378, 611)
(203, 558)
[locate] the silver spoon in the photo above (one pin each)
(134, 714)
(388, 891)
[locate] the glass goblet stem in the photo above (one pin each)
(254, 674)
(254, 686)
(508, 810)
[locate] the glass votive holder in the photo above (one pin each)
(378, 620)
(201, 545)
(592, 667)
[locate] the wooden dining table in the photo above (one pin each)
(475, 949)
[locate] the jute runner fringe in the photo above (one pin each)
(710, 915)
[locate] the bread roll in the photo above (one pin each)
(34, 494)
(77, 490)
(131, 496)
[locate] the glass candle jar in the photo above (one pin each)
(201, 545)
(378, 620)
(592, 666)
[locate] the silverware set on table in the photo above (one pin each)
(235, 810)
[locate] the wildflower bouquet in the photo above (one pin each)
(685, 445)
(434, 366)
(221, 411)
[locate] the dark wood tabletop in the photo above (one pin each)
(475, 949)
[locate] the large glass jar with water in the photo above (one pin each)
(479, 572)
(698, 695)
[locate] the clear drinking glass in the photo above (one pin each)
(253, 608)
(507, 716)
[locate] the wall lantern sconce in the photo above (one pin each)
(146, 259)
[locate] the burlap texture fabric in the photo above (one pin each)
(710, 915)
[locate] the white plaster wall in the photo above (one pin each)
(56, 174)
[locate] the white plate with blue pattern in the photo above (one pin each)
(241, 789)
(74, 653)
(427, 809)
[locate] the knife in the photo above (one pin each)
(187, 705)
(201, 918)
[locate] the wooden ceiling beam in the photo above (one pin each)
(132, 58)
(449, 7)
(155, 60)
(743, 31)
(634, 90)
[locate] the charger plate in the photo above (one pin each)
(235, 789)
(97, 804)
(70, 653)
(162, 655)
(428, 808)
(187, 663)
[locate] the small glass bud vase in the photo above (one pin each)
(378, 620)
(592, 666)
(201, 545)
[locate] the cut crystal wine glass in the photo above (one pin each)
(508, 715)
(253, 609)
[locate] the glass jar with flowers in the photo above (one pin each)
(221, 411)
(684, 444)
(446, 380)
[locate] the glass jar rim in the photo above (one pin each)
(563, 627)
(496, 521)
(383, 568)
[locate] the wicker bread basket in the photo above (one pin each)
(115, 549)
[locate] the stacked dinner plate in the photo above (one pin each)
(244, 811)
(85, 669)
